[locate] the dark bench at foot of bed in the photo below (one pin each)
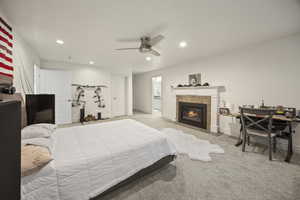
(159, 164)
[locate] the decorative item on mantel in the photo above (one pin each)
(194, 79)
(194, 82)
(180, 87)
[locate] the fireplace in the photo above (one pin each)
(194, 114)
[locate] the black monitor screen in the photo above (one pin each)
(40, 108)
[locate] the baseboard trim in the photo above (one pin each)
(140, 111)
(167, 119)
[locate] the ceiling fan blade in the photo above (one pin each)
(127, 49)
(154, 52)
(156, 40)
(156, 30)
(128, 40)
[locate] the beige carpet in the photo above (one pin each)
(231, 176)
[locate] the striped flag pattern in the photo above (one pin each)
(6, 54)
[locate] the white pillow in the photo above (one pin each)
(35, 132)
(51, 127)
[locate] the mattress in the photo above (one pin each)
(90, 159)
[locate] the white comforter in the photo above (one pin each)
(92, 158)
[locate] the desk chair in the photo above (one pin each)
(258, 122)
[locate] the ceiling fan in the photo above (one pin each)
(146, 45)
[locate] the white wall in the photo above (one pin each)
(24, 58)
(270, 71)
(91, 75)
(86, 75)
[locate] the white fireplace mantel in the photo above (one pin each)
(198, 88)
(212, 91)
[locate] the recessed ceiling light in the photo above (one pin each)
(59, 41)
(182, 44)
(92, 62)
(148, 58)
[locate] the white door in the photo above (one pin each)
(58, 82)
(118, 95)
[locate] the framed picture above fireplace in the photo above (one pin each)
(195, 79)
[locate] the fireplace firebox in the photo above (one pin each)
(194, 114)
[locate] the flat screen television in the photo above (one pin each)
(40, 108)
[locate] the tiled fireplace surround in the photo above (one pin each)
(196, 99)
(204, 95)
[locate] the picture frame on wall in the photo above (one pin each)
(195, 79)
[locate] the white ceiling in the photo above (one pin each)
(91, 28)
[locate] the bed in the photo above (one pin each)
(92, 159)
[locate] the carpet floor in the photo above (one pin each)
(235, 175)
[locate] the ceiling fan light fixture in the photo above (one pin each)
(148, 58)
(182, 44)
(91, 62)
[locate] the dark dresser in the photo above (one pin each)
(10, 149)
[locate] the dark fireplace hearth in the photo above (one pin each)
(194, 114)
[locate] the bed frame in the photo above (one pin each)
(159, 164)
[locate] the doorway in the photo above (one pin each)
(156, 95)
(58, 82)
(118, 95)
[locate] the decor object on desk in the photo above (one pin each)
(6, 54)
(195, 148)
(288, 112)
(262, 103)
(248, 106)
(194, 79)
(224, 111)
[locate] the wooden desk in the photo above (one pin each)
(275, 117)
(279, 121)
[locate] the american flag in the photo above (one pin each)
(6, 54)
